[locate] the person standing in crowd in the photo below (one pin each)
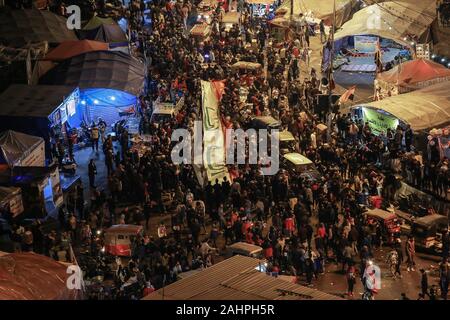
(323, 36)
(424, 283)
(94, 137)
(92, 172)
(410, 253)
(351, 279)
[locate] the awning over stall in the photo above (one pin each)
(99, 69)
(422, 109)
(19, 27)
(392, 20)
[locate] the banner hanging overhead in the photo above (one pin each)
(366, 44)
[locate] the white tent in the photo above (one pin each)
(393, 20)
(423, 109)
(322, 9)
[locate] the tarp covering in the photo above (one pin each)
(30, 276)
(392, 20)
(422, 109)
(69, 49)
(415, 71)
(21, 100)
(322, 9)
(96, 22)
(19, 27)
(99, 69)
(109, 33)
(16, 146)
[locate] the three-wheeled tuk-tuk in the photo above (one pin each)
(427, 232)
(390, 224)
(119, 239)
(244, 249)
(287, 142)
(295, 162)
(265, 122)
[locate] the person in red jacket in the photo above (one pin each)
(148, 289)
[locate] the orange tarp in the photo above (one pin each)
(68, 49)
(415, 71)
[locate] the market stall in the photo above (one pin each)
(41, 189)
(23, 150)
(422, 109)
(34, 109)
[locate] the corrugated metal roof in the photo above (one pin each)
(236, 279)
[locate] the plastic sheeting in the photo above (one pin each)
(422, 109)
(19, 27)
(392, 20)
(99, 69)
(16, 146)
(29, 276)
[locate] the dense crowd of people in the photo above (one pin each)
(302, 223)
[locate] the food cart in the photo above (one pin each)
(118, 239)
(389, 222)
(201, 32)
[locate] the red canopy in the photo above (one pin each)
(415, 71)
(69, 49)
